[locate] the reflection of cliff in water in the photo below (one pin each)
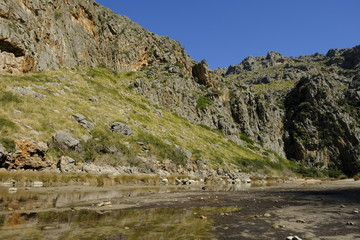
(153, 223)
(25, 200)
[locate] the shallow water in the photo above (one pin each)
(55, 214)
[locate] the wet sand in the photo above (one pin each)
(307, 209)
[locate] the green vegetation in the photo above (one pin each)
(156, 223)
(357, 177)
(246, 139)
(266, 165)
(57, 15)
(276, 85)
(204, 102)
(54, 179)
(8, 97)
(313, 172)
(8, 143)
(6, 126)
(159, 148)
(163, 137)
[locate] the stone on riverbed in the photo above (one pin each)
(293, 238)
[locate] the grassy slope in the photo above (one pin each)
(30, 117)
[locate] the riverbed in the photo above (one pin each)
(309, 209)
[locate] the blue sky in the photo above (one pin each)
(225, 32)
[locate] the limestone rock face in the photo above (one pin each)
(303, 108)
(320, 130)
(52, 34)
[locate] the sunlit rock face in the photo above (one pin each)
(41, 35)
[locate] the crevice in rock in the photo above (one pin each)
(6, 46)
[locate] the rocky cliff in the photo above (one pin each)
(41, 35)
(301, 108)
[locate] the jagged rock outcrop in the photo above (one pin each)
(51, 34)
(202, 74)
(28, 155)
(305, 108)
(319, 132)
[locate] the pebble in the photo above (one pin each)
(300, 221)
(350, 223)
(12, 189)
(49, 228)
(293, 238)
(203, 217)
(342, 206)
(267, 215)
(108, 203)
(38, 184)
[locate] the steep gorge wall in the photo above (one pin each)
(52, 34)
(304, 108)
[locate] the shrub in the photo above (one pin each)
(58, 15)
(159, 148)
(246, 139)
(204, 102)
(308, 171)
(102, 65)
(130, 74)
(8, 144)
(7, 97)
(357, 177)
(6, 124)
(334, 173)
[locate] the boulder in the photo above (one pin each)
(67, 164)
(250, 64)
(275, 58)
(27, 91)
(29, 155)
(122, 128)
(65, 140)
(82, 121)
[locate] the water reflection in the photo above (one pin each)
(152, 223)
(28, 200)
(25, 200)
(48, 214)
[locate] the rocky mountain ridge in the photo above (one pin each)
(302, 108)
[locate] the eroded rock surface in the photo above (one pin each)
(52, 34)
